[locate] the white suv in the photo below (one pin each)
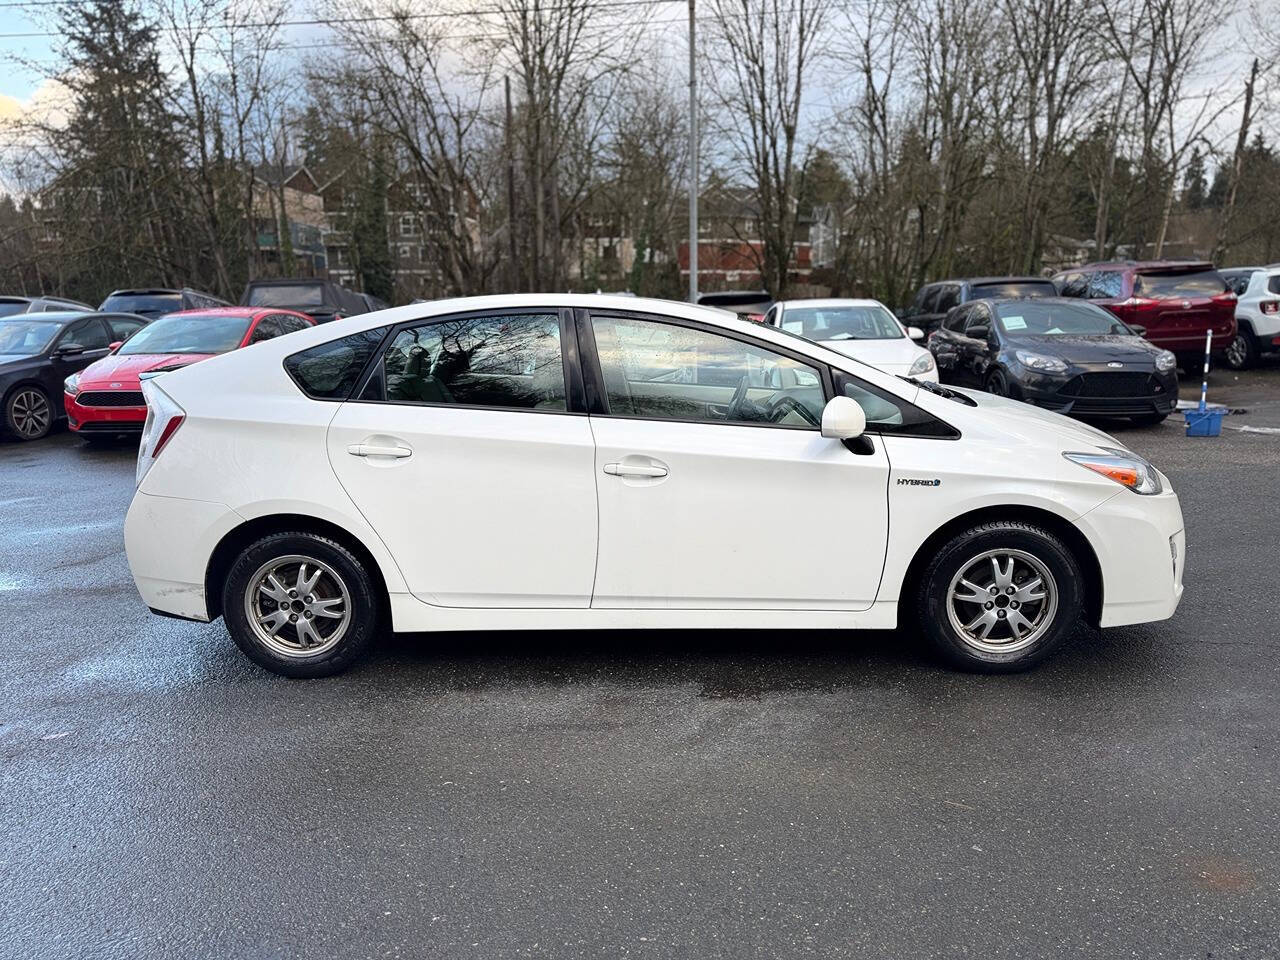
(566, 462)
(1257, 291)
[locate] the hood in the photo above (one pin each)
(1104, 348)
(125, 369)
(891, 356)
(15, 358)
(1037, 424)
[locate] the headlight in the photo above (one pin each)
(1166, 361)
(924, 363)
(1038, 361)
(1127, 469)
(72, 384)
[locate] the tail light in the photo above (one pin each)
(1226, 296)
(1270, 306)
(755, 317)
(164, 417)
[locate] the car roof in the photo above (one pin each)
(1144, 265)
(1071, 301)
(57, 316)
(227, 311)
(292, 282)
(139, 291)
(830, 302)
(979, 281)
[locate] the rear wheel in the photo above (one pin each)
(1242, 352)
(300, 605)
(1000, 597)
(28, 413)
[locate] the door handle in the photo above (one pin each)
(634, 470)
(377, 450)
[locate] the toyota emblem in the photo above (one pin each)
(1186, 304)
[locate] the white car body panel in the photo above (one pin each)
(1266, 326)
(253, 446)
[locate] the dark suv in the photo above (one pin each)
(934, 300)
(1174, 302)
(154, 301)
(322, 300)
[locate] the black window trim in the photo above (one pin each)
(889, 431)
(595, 375)
(574, 406)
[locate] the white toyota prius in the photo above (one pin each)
(554, 461)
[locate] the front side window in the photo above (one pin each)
(844, 322)
(491, 361)
(664, 371)
(978, 319)
(889, 414)
(123, 328)
(1105, 285)
(330, 371)
(1074, 285)
(91, 335)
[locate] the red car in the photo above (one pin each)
(1175, 301)
(106, 397)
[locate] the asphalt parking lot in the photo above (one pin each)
(638, 795)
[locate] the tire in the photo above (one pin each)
(1148, 419)
(343, 591)
(998, 384)
(28, 413)
(1242, 352)
(974, 556)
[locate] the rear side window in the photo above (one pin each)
(330, 371)
(506, 362)
(1105, 285)
(1273, 284)
(1172, 286)
(1073, 285)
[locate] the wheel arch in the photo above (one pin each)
(1064, 529)
(239, 537)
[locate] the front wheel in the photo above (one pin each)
(998, 384)
(300, 605)
(28, 413)
(999, 597)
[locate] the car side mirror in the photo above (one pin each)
(843, 419)
(915, 333)
(115, 345)
(1137, 328)
(69, 349)
(978, 332)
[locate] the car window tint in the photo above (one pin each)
(1074, 285)
(978, 317)
(889, 414)
(330, 370)
(1105, 285)
(492, 361)
(90, 334)
(1273, 284)
(123, 328)
(267, 328)
(661, 370)
(955, 320)
(1173, 286)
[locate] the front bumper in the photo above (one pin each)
(1141, 547)
(1096, 393)
(92, 419)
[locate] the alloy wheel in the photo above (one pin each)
(1002, 601)
(1237, 352)
(29, 413)
(298, 606)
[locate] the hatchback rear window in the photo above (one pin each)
(1172, 286)
(330, 371)
(287, 295)
(1014, 288)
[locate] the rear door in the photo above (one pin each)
(468, 452)
(716, 488)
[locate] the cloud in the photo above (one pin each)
(48, 104)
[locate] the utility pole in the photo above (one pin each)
(511, 193)
(693, 158)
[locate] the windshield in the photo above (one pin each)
(144, 303)
(1012, 289)
(287, 295)
(26, 338)
(1175, 286)
(188, 333)
(843, 322)
(1057, 320)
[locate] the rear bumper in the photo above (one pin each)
(169, 542)
(1141, 548)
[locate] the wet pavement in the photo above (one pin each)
(635, 794)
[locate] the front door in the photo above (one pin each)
(716, 488)
(462, 454)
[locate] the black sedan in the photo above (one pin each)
(38, 351)
(1064, 355)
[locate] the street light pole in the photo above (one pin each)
(693, 158)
